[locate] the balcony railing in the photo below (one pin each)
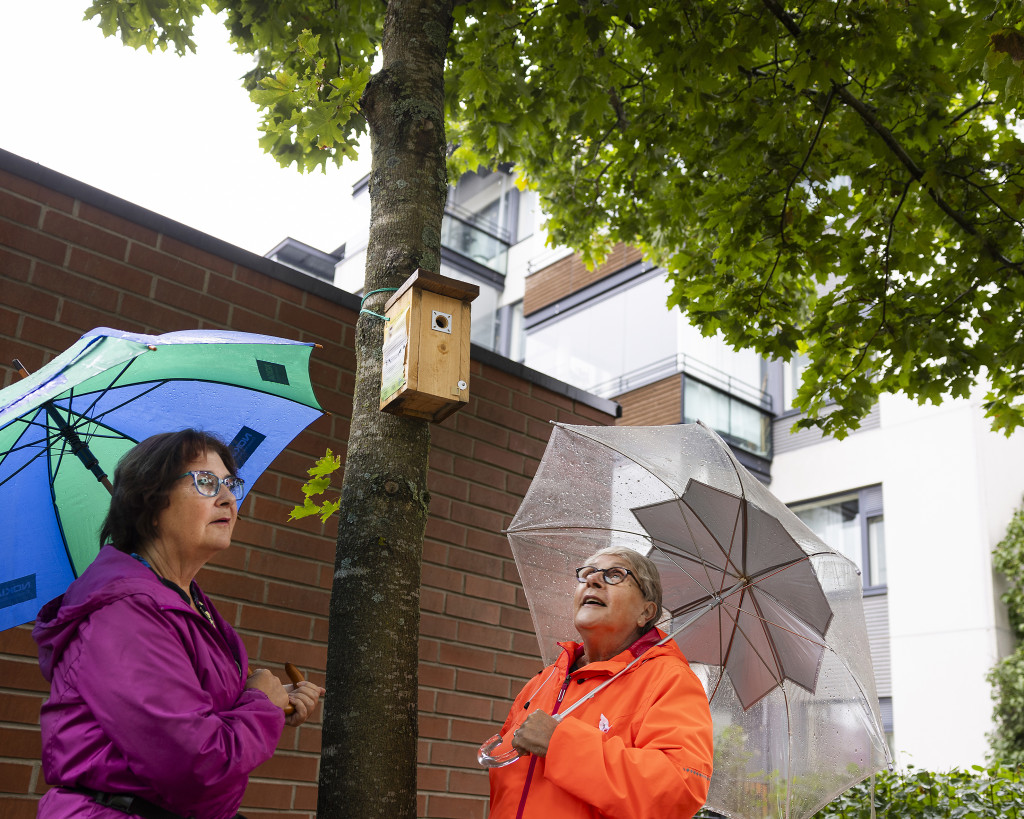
(738, 411)
(481, 242)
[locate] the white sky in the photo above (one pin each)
(175, 135)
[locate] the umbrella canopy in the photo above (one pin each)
(770, 618)
(66, 424)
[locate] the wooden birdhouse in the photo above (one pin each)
(426, 347)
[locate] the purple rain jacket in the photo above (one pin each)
(146, 698)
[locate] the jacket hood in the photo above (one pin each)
(111, 576)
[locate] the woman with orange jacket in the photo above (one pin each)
(640, 748)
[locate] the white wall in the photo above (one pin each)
(949, 488)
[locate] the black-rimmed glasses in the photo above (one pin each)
(613, 575)
(209, 484)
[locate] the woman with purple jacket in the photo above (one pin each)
(151, 711)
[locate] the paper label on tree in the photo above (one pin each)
(396, 345)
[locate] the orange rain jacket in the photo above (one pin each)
(640, 748)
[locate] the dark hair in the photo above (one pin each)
(143, 479)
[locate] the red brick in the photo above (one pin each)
(464, 705)
(83, 234)
(19, 209)
(32, 242)
(473, 426)
(15, 777)
(168, 267)
(18, 641)
(476, 683)
(116, 224)
(431, 779)
(79, 288)
(267, 795)
(305, 655)
(290, 767)
(14, 266)
(191, 300)
(433, 625)
(489, 589)
(109, 271)
(475, 562)
(500, 639)
(473, 783)
(305, 798)
(452, 755)
(28, 299)
(480, 472)
(468, 608)
(493, 499)
(435, 676)
(480, 518)
(453, 807)
(434, 727)
(442, 578)
(466, 657)
(219, 583)
(446, 531)
(21, 708)
(18, 807)
(283, 567)
(20, 743)
(202, 258)
(259, 618)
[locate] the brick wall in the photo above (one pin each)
(73, 258)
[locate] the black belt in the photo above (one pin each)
(132, 805)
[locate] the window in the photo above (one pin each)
(854, 525)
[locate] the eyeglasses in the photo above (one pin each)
(612, 575)
(208, 484)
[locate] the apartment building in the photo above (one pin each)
(917, 497)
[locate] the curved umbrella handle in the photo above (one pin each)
(486, 757)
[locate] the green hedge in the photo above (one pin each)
(979, 793)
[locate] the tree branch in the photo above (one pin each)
(875, 124)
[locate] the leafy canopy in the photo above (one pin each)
(841, 180)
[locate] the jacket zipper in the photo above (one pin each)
(533, 759)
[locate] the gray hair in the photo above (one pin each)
(647, 576)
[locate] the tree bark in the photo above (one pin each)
(370, 733)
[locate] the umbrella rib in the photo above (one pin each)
(766, 621)
(704, 562)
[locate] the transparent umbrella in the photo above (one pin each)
(770, 618)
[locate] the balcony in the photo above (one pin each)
(476, 238)
(736, 410)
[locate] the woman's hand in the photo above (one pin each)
(270, 685)
(303, 696)
(533, 736)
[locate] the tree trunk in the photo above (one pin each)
(368, 763)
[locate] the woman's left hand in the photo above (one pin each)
(533, 736)
(303, 697)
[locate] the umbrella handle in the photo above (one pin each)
(294, 675)
(485, 758)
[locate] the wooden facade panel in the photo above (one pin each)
(653, 404)
(569, 274)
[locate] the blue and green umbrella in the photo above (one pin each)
(64, 427)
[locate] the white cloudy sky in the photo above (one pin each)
(176, 135)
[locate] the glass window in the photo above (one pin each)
(850, 525)
(876, 551)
